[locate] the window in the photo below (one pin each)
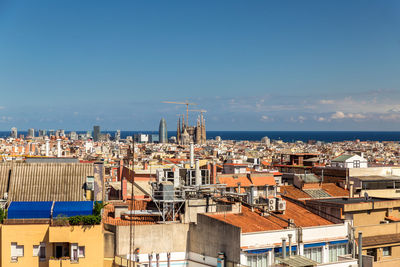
(40, 251)
(386, 251)
(16, 251)
(314, 254)
(336, 250)
(74, 252)
(257, 260)
(356, 164)
(81, 252)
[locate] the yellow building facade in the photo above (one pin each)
(44, 245)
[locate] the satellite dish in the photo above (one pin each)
(366, 196)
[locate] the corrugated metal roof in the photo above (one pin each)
(72, 208)
(29, 210)
(44, 181)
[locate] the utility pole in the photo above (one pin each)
(132, 207)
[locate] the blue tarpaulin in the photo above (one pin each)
(29, 210)
(72, 208)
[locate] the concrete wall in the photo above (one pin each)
(156, 238)
(379, 229)
(29, 235)
(211, 236)
(109, 244)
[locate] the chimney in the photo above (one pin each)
(198, 173)
(146, 165)
(191, 155)
(124, 189)
(251, 201)
(59, 148)
(284, 247)
(290, 244)
(213, 173)
(47, 147)
(351, 188)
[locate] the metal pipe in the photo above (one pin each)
(284, 247)
(169, 259)
(150, 258)
(351, 189)
(198, 173)
(290, 244)
(360, 249)
(191, 155)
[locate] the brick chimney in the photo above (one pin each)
(124, 189)
(213, 177)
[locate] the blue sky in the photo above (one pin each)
(253, 65)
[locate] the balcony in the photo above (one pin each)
(65, 262)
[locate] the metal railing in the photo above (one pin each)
(123, 262)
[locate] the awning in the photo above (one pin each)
(29, 210)
(72, 208)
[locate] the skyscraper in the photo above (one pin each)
(31, 132)
(14, 132)
(162, 131)
(96, 133)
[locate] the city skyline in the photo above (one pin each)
(252, 66)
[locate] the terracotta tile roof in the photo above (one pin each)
(250, 221)
(108, 217)
(334, 190)
(231, 181)
(369, 241)
(293, 192)
(392, 218)
(263, 180)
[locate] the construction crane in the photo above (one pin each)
(199, 110)
(182, 103)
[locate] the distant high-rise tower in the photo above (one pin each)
(162, 131)
(96, 133)
(31, 132)
(14, 132)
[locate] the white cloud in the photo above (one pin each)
(390, 117)
(327, 101)
(266, 118)
(338, 115)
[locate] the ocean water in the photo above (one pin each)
(286, 136)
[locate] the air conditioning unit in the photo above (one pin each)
(271, 204)
(280, 204)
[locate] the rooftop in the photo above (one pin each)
(250, 221)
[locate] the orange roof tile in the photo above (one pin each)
(293, 192)
(250, 221)
(230, 181)
(263, 180)
(334, 190)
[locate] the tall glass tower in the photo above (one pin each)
(162, 131)
(96, 133)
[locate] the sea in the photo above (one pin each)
(286, 136)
